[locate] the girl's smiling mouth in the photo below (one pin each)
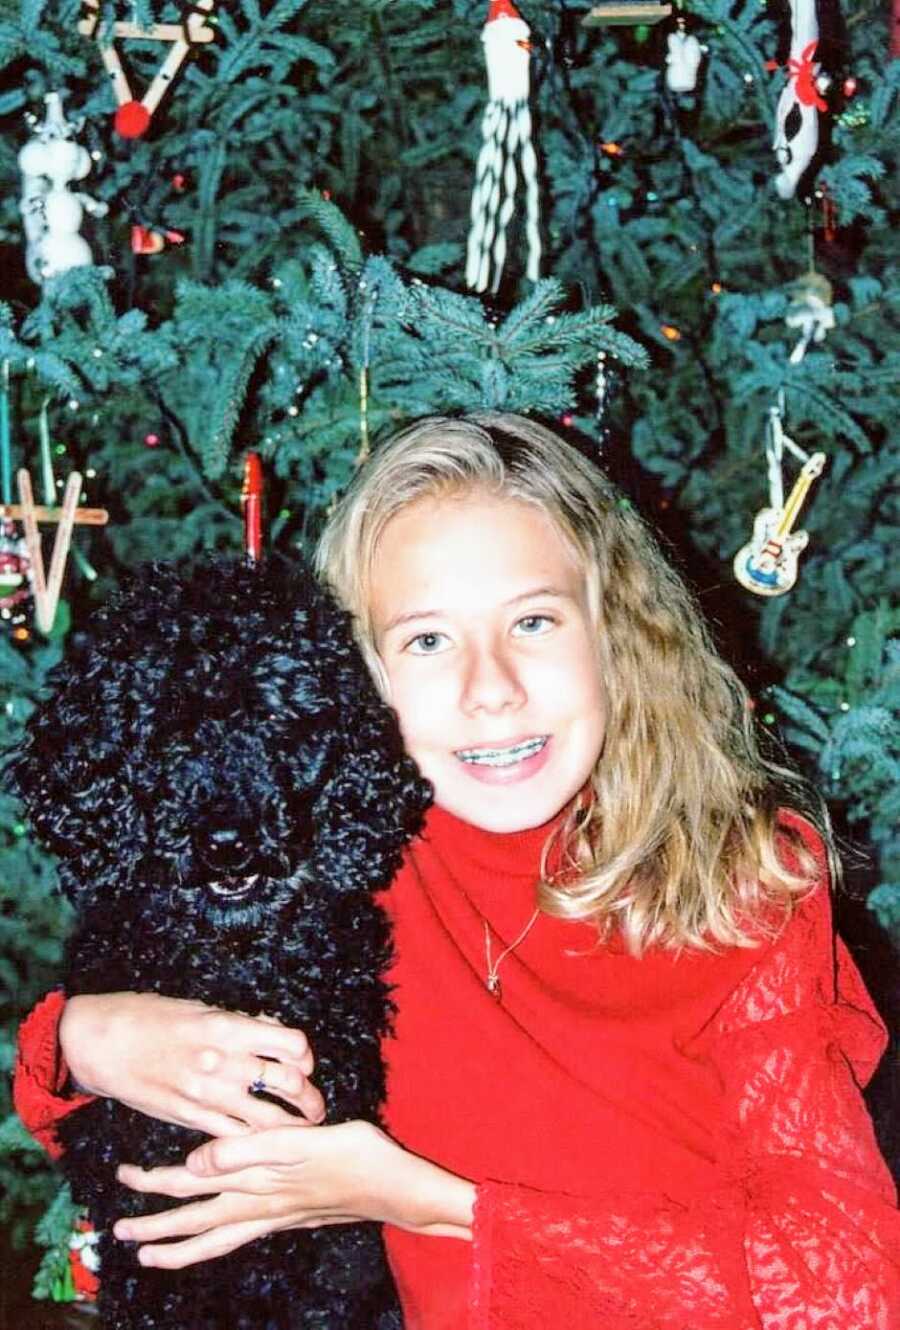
(509, 762)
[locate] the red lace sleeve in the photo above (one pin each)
(41, 1073)
(801, 1231)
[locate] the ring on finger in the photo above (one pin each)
(258, 1084)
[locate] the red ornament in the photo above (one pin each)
(84, 1279)
(179, 181)
(805, 75)
(251, 505)
(567, 419)
(151, 440)
(501, 9)
(146, 241)
(132, 120)
(850, 87)
(829, 213)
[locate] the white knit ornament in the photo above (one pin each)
(506, 131)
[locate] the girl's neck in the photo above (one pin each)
(511, 853)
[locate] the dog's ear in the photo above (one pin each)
(374, 802)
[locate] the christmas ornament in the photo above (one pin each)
(829, 213)
(5, 437)
(251, 506)
(617, 14)
(15, 590)
(152, 239)
(682, 59)
(810, 311)
(506, 134)
(133, 118)
(51, 213)
(84, 1261)
(767, 564)
(47, 587)
(796, 115)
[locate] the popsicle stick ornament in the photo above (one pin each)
(46, 586)
(623, 13)
(133, 117)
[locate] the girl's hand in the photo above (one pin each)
(292, 1177)
(183, 1062)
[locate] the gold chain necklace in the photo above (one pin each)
(492, 982)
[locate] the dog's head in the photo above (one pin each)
(212, 737)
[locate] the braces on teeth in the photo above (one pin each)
(500, 757)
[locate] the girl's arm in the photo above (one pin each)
(176, 1060)
(802, 1229)
(43, 1093)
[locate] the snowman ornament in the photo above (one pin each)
(51, 213)
(797, 113)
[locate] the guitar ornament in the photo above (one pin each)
(767, 564)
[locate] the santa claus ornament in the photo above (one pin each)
(506, 134)
(796, 115)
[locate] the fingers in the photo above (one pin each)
(188, 1220)
(237, 1051)
(225, 1156)
(287, 1082)
(210, 1229)
(257, 1036)
(206, 1247)
(228, 1093)
(174, 1180)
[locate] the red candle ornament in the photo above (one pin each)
(251, 505)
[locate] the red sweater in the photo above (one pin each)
(670, 1143)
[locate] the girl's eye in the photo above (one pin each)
(534, 624)
(427, 644)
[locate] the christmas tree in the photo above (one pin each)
(269, 250)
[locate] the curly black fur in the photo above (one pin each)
(225, 793)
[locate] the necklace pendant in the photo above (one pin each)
(492, 983)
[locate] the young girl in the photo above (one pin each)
(623, 1081)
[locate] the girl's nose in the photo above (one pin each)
(492, 682)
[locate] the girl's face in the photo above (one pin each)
(481, 621)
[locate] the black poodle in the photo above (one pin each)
(226, 792)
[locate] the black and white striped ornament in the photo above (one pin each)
(506, 134)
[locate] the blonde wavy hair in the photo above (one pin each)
(674, 844)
